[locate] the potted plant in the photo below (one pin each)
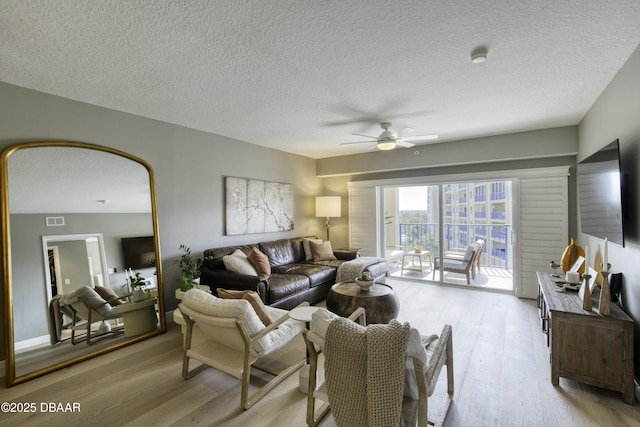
(137, 283)
(365, 281)
(189, 269)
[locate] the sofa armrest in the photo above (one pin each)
(346, 254)
(219, 278)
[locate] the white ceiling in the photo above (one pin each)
(303, 75)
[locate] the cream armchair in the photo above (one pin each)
(379, 375)
(88, 307)
(235, 340)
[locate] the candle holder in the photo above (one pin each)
(586, 293)
(604, 306)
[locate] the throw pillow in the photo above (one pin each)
(239, 263)
(109, 295)
(322, 251)
(261, 263)
(254, 300)
(307, 248)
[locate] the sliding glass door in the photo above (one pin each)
(412, 229)
(455, 233)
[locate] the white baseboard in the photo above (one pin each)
(32, 342)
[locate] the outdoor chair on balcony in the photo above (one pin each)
(466, 264)
(393, 254)
(459, 253)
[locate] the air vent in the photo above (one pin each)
(55, 221)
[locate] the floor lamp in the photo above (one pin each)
(327, 207)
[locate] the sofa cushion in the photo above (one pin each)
(306, 244)
(254, 300)
(316, 273)
(298, 249)
(260, 262)
(321, 251)
(214, 257)
(201, 302)
(109, 295)
(239, 263)
(284, 285)
(280, 252)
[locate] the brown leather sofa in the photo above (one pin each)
(293, 278)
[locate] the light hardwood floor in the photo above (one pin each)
(501, 369)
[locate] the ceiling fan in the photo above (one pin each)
(388, 140)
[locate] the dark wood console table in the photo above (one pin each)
(586, 346)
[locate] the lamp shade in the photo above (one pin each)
(328, 206)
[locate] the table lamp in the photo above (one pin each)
(327, 207)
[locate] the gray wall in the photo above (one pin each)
(29, 293)
(189, 167)
(540, 144)
(616, 114)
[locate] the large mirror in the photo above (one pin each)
(78, 221)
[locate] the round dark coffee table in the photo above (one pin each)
(381, 303)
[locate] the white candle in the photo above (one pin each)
(605, 261)
(572, 277)
(586, 260)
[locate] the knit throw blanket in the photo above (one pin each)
(364, 372)
(349, 270)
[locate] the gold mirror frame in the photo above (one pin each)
(11, 378)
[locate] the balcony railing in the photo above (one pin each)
(496, 249)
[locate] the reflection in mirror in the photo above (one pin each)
(66, 208)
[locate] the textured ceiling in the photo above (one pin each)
(303, 75)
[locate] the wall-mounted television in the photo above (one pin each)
(601, 194)
(138, 252)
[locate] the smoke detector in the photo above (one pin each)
(479, 55)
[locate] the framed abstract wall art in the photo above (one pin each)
(254, 206)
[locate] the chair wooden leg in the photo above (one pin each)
(247, 401)
(450, 365)
(444, 409)
(313, 416)
(89, 329)
(186, 374)
(73, 328)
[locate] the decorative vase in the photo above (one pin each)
(604, 306)
(364, 285)
(571, 255)
(138, 295)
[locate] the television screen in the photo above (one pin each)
(600, 194)
(138, 252)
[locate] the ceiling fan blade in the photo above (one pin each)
(375, 138)
(401, 143)
(420, 138)
(397, 133)
(358, 142)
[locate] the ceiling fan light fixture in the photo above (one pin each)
(386, 145)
